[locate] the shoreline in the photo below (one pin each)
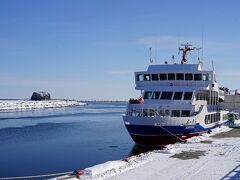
(195, 159)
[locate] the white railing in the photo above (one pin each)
(143, 111)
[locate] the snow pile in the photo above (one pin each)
(27, 104)
(205, 136)
(220, 130)
(201, 157)
(111, 168)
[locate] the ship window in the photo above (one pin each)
(185, 113)
(155, 77)
(152, 113)
(160, 112)
(139, 77)
(207, 118)
(171, 76)
(175, 113)
(215, 117)
(178, 95)
(180, 76)
(202, 96)
(206, 77)
(146, 77)
(166, 95)
(156, 95)
(218, 116)
(188, 77)
(197, 77)
(210, 77)
(187, 96)
(167, 112)
(147, 95)
(212, 118)
(145, 114)
(163, 76)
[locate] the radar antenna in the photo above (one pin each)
(186, 47)
(198, 49)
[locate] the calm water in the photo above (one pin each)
(58, 140)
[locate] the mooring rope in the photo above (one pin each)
(169, 131)
(172, 134)
(37, 176)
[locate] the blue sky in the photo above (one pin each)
(85, 49)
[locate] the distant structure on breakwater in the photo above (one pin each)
(39, 96)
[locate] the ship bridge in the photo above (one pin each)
(184, 75)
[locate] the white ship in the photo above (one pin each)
(177, 101)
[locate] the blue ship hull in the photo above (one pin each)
(163, 135)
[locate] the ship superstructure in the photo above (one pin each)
(177, 101)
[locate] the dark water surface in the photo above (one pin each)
(64, 139)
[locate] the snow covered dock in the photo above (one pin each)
(6, 105)
(214, 156)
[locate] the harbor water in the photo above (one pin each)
(58, 140)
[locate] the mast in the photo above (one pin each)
(150, 55)
(185, 49)
(198, 49)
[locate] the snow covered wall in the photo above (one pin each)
(27, 104)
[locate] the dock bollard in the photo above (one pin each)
(78, 173)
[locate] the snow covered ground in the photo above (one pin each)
(202, 157)
(27, 104)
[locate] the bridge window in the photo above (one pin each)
(166, 95)
(180, 76)
(187, 95)
(188, 76)
(197, 77)
(147, 95)
(178, 95)
(206, 77)
(156, 95)
(185, 113)
(175, 113)
(146, 77)
(163, 76)
(140, 77)
(155, 77)
(171, 76)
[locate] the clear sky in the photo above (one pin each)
(89, 49)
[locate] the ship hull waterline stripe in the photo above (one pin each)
(162, 135)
